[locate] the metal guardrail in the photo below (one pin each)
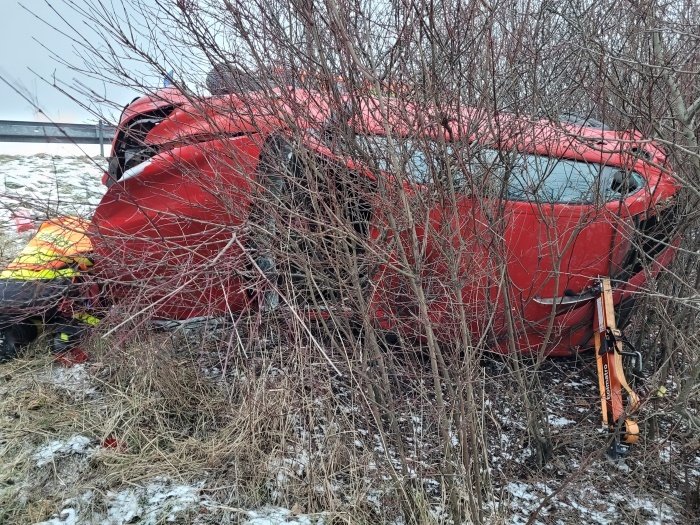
(29, 131)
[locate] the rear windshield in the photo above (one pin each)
(507, 174)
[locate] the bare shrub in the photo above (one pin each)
(345, 355)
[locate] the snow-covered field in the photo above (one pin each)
(46, 185)
(68, 472)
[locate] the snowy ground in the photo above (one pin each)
(583, 487)
(45, 185)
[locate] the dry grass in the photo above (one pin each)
(267, 424)
(268, 433)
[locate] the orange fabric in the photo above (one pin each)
(59, 243)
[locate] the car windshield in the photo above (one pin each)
(526, 177)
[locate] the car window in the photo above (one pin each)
(538, 178)
(417, 160)
(526, 177)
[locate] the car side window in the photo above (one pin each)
(538, 178)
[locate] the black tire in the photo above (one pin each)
(14, 337)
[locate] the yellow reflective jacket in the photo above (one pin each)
(59, 249)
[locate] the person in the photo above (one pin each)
(36, 286)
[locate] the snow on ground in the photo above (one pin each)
(47, 185)
(25, 149)
(158, 501)
(78, 445)
(574, 487)
(73, 380)
(558, 421)
(280, 516)
(586, 502)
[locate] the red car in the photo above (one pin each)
(497, 224)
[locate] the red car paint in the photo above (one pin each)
(174, 221)
(169, 228)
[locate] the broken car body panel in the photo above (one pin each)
(175, 215)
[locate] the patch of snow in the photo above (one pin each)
(41, 148)
(653, 513)
(374, 498)
(454, 439)
(288, 467)
(620, 465)
(75, 380)
(76, 445)
(48, 186)
(67, 516)
(591, 505)
(124, 507)
(159, 501)
(558, 421)
(521, 491)
(279, 516)
(379, 447)
(592, 515)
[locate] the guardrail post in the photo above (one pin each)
(101, 132)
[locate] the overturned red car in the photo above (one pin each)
(489, 228)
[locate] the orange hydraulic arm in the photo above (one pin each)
(611, 376)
